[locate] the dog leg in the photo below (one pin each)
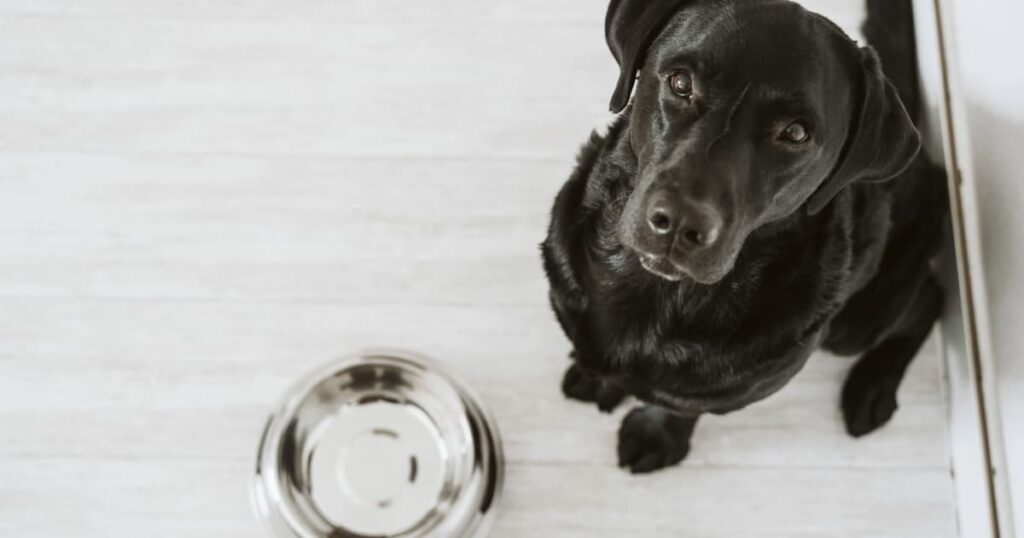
(586, 387)
(869, 394)
(652, 437)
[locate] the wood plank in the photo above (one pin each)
(118, 497)
(255, 87)
(450, 13)
(125, 497)
(276, 229)
(736, 502)
(190, 86)
(142, 372)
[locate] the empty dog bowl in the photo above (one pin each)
(383, 443)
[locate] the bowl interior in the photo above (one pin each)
(382, 446)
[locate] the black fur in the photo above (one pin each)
(826, 252)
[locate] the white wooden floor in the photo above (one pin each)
(201, 200)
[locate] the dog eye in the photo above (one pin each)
(681, 83)
(796, 132)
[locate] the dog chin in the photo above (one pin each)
(661, 267)
(666, 270)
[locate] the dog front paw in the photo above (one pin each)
(868, 401)
(586, 387)
(653, 438)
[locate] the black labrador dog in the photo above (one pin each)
(761, 195)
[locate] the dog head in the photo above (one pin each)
(744, 113)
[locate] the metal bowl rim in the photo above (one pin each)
(267, 474)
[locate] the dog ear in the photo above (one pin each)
(882, 141)
(629, 28)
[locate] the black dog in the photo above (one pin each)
(737, 216)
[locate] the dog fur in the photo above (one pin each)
(827, 246)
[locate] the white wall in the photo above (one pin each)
(986, 39)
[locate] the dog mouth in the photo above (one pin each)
(663, 267)
(660, 266)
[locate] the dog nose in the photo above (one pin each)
(700, 235)
(696, 227)
(661, 218)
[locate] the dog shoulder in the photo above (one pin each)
(564, 229)
(571, 217)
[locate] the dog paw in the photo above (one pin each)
(585, 387)
(653, 438)
(868, 401)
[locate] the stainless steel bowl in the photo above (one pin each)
(383, 443)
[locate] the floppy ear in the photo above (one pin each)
(629, 27)
(882, 141)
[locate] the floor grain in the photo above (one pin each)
(199, 201)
